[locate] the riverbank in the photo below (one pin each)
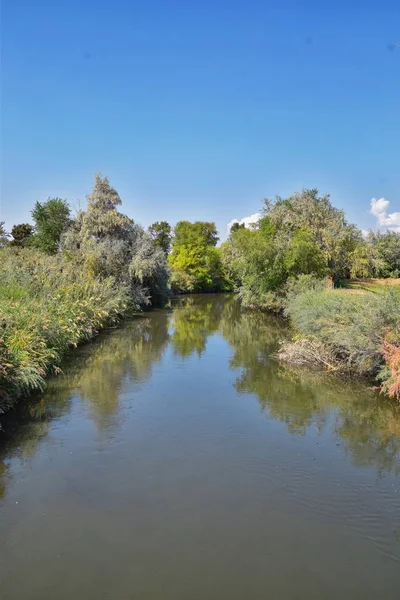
(354, 333)
(48, 305)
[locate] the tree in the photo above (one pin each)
(387, 245)
(304, 256)
(110, 244)
(366, 261)
(195, 262)
(257, 264)
(200, 233)
(3, 235)
(52, 219)
(236, 226)
(326, 224)
(300, 235)
(21, 234)
(160, 232)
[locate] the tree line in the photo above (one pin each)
(302, 234)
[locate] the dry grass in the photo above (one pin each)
(310, 352)
(360, 286)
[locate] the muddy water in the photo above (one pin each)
(176, 459)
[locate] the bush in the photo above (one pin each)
(356, 330)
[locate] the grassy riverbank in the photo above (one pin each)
(353, 333)
(47, 306)
(65, 279)
(336, 285)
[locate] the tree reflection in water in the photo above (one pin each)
(98, 374)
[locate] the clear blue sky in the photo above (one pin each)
(199, 109)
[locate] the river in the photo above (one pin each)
(176, 459)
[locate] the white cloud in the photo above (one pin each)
(379, 208)
(248, 221)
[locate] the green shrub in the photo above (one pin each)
(352, 328)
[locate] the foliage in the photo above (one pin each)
(327, 226)
(355, 329)
(52, 218)
(303, 234)
(236, 226)
(197, 234)
(303, 255)
(104, 265)
(366, 261)
(47, 305)
(107, 243)
(160, 232)
(391, 354)
(22, 234)
(3, 235)
(107, 266)
(262, 259)
(387, 247)
(195, 261)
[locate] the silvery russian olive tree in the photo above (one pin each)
(110, 244)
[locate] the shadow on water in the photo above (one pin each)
(98, 374)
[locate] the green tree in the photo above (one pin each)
(160, 232)
(300, 235)
(326, 224)
(304, 256)
(366, 261)
(256, 264)
(236, 226)
(195, 261)
(22, 234)
(388, 247)
(199, 233)
(52, 219)
(3, 235)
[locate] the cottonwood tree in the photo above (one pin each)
(52, 219)
(195, 261)
(161, 233)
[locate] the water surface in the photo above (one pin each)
(175, 459)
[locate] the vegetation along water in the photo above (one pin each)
(69, 276)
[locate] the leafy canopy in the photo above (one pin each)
(302, 234)
(195, 261)
(160, 232)
(22, 234)
(51, 219)
(236, 226)
(200, 233)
